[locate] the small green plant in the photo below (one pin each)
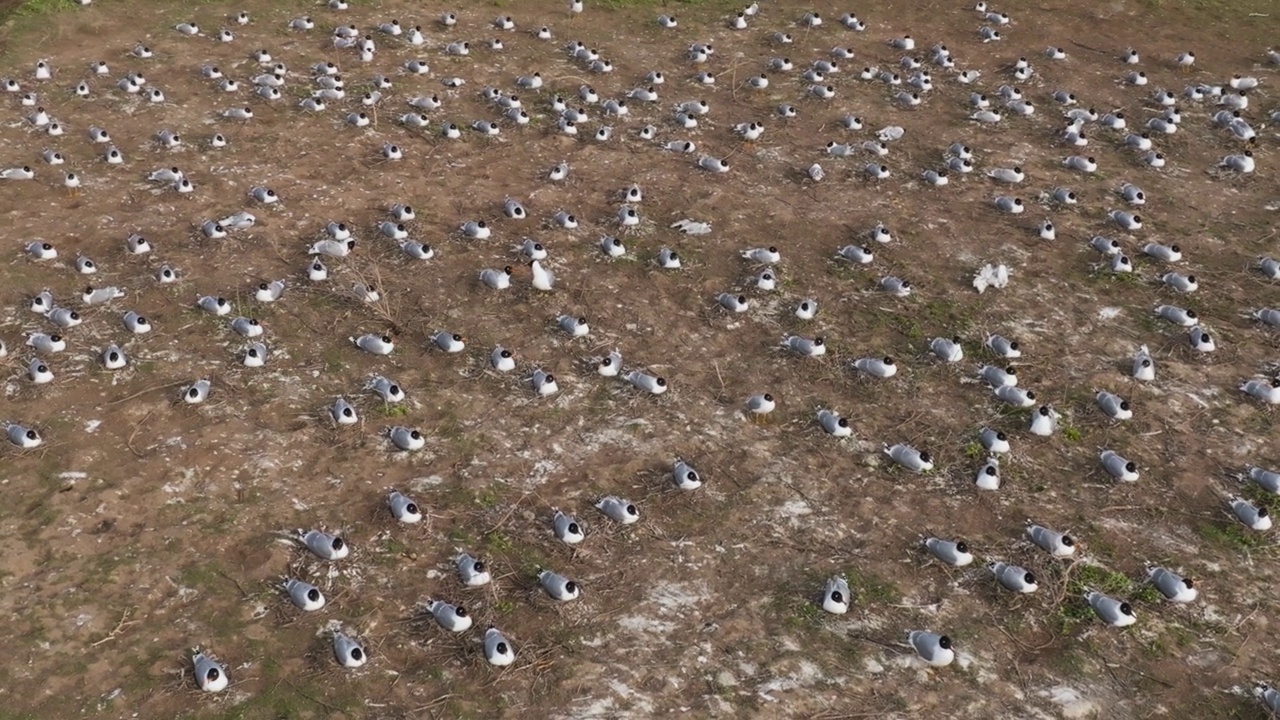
(1231, 535)
(870, 588)
(395, 410)
(497, 542)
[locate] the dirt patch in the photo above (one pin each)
(145, 526)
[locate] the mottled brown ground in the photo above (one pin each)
(144, 527)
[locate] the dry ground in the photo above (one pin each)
(144, 527)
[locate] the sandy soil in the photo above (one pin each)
(144, 527)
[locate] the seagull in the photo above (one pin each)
(210, 675)
(814, 347)
(1055, 543)
(497, 648)
(575, 326)
(1112, 611)
(618, 510)
(567, 529)
(947, 349)
(1044, 421)
(909, 457)
(304, 595)
(1254, 517)
(1114, 406)
(1013, 578)
(447, 341)
(1118, 467)
(543, 279)
(1172, 586)
(1266, 391)
(325, 545)
(988, 477)
(761, 405)
(953, 553)
(472, 572)
(1266, 479)
(406, 439)
(22, 436)
(349, 653)
(836, 596)
(884, 367)
(453, 618)
(932, 648)
(1003, 347)
(497, 279)
(557, 586)
(644, 381)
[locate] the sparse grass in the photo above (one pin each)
(483, 436)
(1232, 535)
(868, 588)
(394, 410)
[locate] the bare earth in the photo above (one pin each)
(145, 527)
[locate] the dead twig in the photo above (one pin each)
(123, 623)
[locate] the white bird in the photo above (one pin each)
(885, 367)
(1059, 545)
(936, 650)
(497, 648)
(618, 510)
(895, 286)
(1172, 586)
(325, 545)
(1118, 466)
(568, 530)
(609, 365)
(1044, 421)
(1114, 406)
(761, 404)
(909, 457)
(652, 384)
(348, 652)
(1266, 479)
(558, 587)
(953, 553)
(304, 595)
(1013, 578)
(575, 326)
(1144, 367)
(448, 342)
(1254, 517)
(1011, 205)
(612, 246)
(1266, 391)
(113, 358)
(496, 279)
(947, 349)
(1004, 347)
(406, 439)
(403, 508)
(544, 383)
(1201, 340)
(453, 618)
(988, 476)
(22, 436)
(1112, 611)
(377, 345)
(836, 596)
(210, 675)
(808, 347)
(543, 279)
